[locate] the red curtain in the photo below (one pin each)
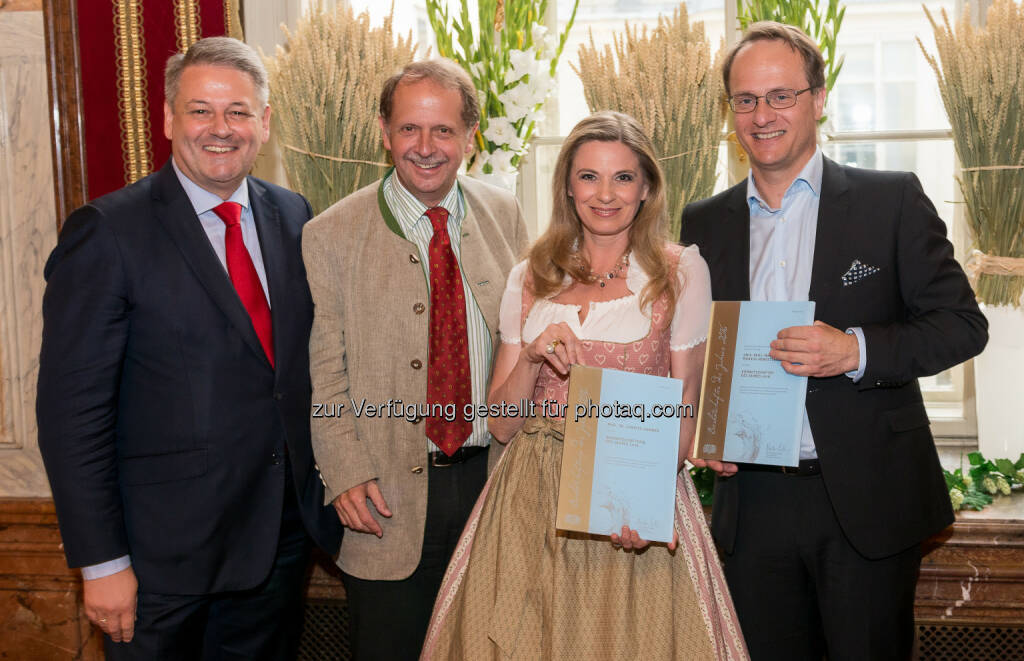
(123, 47)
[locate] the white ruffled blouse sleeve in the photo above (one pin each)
(510, 312)
(693, 307)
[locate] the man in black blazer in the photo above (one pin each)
(824, 559)
(174, 387)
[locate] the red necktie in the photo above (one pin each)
(244, 277)
(448, 379)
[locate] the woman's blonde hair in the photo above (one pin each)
(554, 255)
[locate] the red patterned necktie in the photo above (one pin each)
(448, 379)
(244, 277)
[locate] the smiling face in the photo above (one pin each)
(607, 186)
(779, 142)
(427, 138)
(216, 126)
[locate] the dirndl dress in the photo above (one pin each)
(517, 588)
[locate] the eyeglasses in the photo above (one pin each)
(778, 99)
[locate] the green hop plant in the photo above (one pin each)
(989, 485)
(1002, 485)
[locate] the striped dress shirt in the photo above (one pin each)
(411, 216)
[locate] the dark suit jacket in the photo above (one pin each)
(919, 317)
(162, 425)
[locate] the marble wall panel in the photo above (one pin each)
(41, 615)
(27, 234)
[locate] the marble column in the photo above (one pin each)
(27, 234)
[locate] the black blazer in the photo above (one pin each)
(919, 317)
(162, 425)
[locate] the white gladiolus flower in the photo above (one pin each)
(500, 131)
(521, 63)
(515, 144)
(501, 161)
(541, 84)
(537, 32)
(518, 101)
(548, 48)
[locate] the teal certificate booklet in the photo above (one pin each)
(751, 410)
(620, 452)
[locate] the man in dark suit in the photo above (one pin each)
(174, 390)
(824, 558)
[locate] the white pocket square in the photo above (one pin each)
(858, 271)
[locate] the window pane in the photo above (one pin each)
(898, 59)
(855, 107)
(856, 155)
(859, 63)
(899, 106)
(899, 156)
(409, 16)
(878, 41)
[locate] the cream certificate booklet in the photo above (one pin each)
(620, 452)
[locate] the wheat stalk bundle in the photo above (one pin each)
(324, 87)
(667, 80)
(979, 70)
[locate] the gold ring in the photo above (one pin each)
(550, 348)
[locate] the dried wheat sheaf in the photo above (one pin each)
(666, 79)
(979, 73)
(324, 86)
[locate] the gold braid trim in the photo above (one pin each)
(186, 23)
(232, 20)
(129, 42)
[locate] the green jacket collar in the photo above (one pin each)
(385, 210)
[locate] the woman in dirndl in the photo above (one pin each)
(601, 287)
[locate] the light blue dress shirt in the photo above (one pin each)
(203, 201)
(782, 255)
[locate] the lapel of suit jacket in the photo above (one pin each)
(175, 213)
(483, 275)
(736, 231)
(268, 226)
(833, 212)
